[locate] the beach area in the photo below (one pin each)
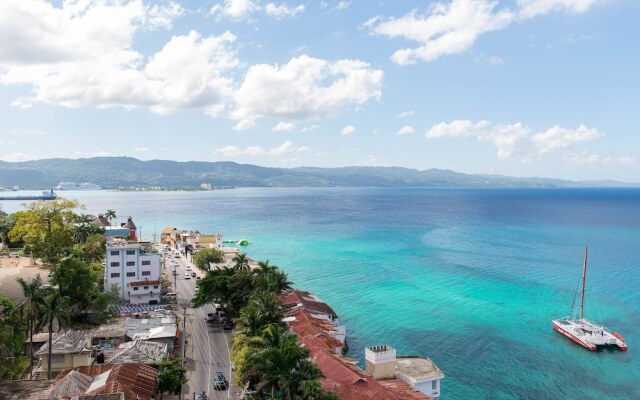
(12, 268)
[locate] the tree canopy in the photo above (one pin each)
(46, 227)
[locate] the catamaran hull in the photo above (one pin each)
(574, 338)
(620, 344)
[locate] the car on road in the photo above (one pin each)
(188, 268)
(220, 382)
(193, 274)
(227, 326)
(177, 255)
(211, 317)
(200, 396)
(187, 276)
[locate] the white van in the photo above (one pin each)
(171, 296)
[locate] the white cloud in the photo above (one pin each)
(309, 128)
(305, 88)
(515, 141)
(16, 157)
(342, 5)
(81, 55)
(453, 27)
(100, 153)
(446, 28)
(495, 60)
(253, 151)
(559, 138)
(244, 124)
(141, 149)
(284, 127)
(596, 160)
(236, 9)
(406, 130)
(348, 130)
(283, 11)
(405, 114)
(457, 128)
(532, 8)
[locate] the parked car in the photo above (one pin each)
(227, 325)
(200, 396)
(16, 255)
(193, 274)
(220, 382)
(187, 276)
(198, 278)
(211, 317)
(188, 268)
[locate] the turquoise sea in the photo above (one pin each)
(470, 278)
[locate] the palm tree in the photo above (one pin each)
(56, 309)
(281, 363)
(82, 230)
(32, 292)
(241, 262)
(250, 321)
(268, 308)
(110, 214)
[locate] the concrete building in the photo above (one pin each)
(419, 372)
(69, 349)
(134, 270)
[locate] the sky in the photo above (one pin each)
(546, 88)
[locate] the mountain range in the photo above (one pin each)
(127, 172)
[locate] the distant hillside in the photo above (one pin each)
(116, 172)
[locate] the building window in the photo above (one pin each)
(146, 273)
(131, 274)
(135, 288)
(147, 262)
(115, 264)
(146, 288)
(115, 253)
(434, 385)
(131, 252)
(155, 286)
(131, 263)
(57, 358)
(115, 275)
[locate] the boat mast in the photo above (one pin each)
(584, 275)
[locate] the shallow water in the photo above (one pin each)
(470, 278)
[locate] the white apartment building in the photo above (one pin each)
(135, 271)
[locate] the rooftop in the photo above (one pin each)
(68, 342)
(137, 352)
(136, 381)
(24, 390)
(417, 369)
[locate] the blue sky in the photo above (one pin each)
(521, 87)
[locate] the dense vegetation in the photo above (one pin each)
(74, 247)
(114, 172)
(266, 355)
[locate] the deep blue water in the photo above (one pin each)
(469, 278)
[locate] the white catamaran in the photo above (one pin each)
(584, 332)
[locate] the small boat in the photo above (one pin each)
(583, 332)
(46, 195)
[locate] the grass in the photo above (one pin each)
(13, 370)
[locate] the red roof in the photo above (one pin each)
(136, 381)
(293, 298)
(348, 381)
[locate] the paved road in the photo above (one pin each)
(207, 350)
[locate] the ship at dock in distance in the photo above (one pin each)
(46, 195)
(76, 186)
